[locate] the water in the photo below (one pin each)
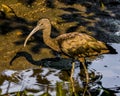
(109, 67)
(106, 71)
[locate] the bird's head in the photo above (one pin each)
(41, 25)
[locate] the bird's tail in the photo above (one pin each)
(111, 49)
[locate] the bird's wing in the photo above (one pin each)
(79, 44)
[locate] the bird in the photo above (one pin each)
(75, 45)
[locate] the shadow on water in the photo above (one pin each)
(57, 63)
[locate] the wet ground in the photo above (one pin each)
(102, 22)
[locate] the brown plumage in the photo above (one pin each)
(75, 45)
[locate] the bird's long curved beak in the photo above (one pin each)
(31, 33)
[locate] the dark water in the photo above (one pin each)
(37, 82)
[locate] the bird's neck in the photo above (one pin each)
(51, 42)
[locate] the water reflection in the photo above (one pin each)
(51, 81)
(46, 81)
(39, 81)
(29, 79)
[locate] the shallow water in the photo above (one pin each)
(109, 67)
(49, 80)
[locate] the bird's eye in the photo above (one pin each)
(41, 24)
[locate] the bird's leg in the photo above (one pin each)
(72, 69)
(87, 76)
(71, 77)
(82, 60)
